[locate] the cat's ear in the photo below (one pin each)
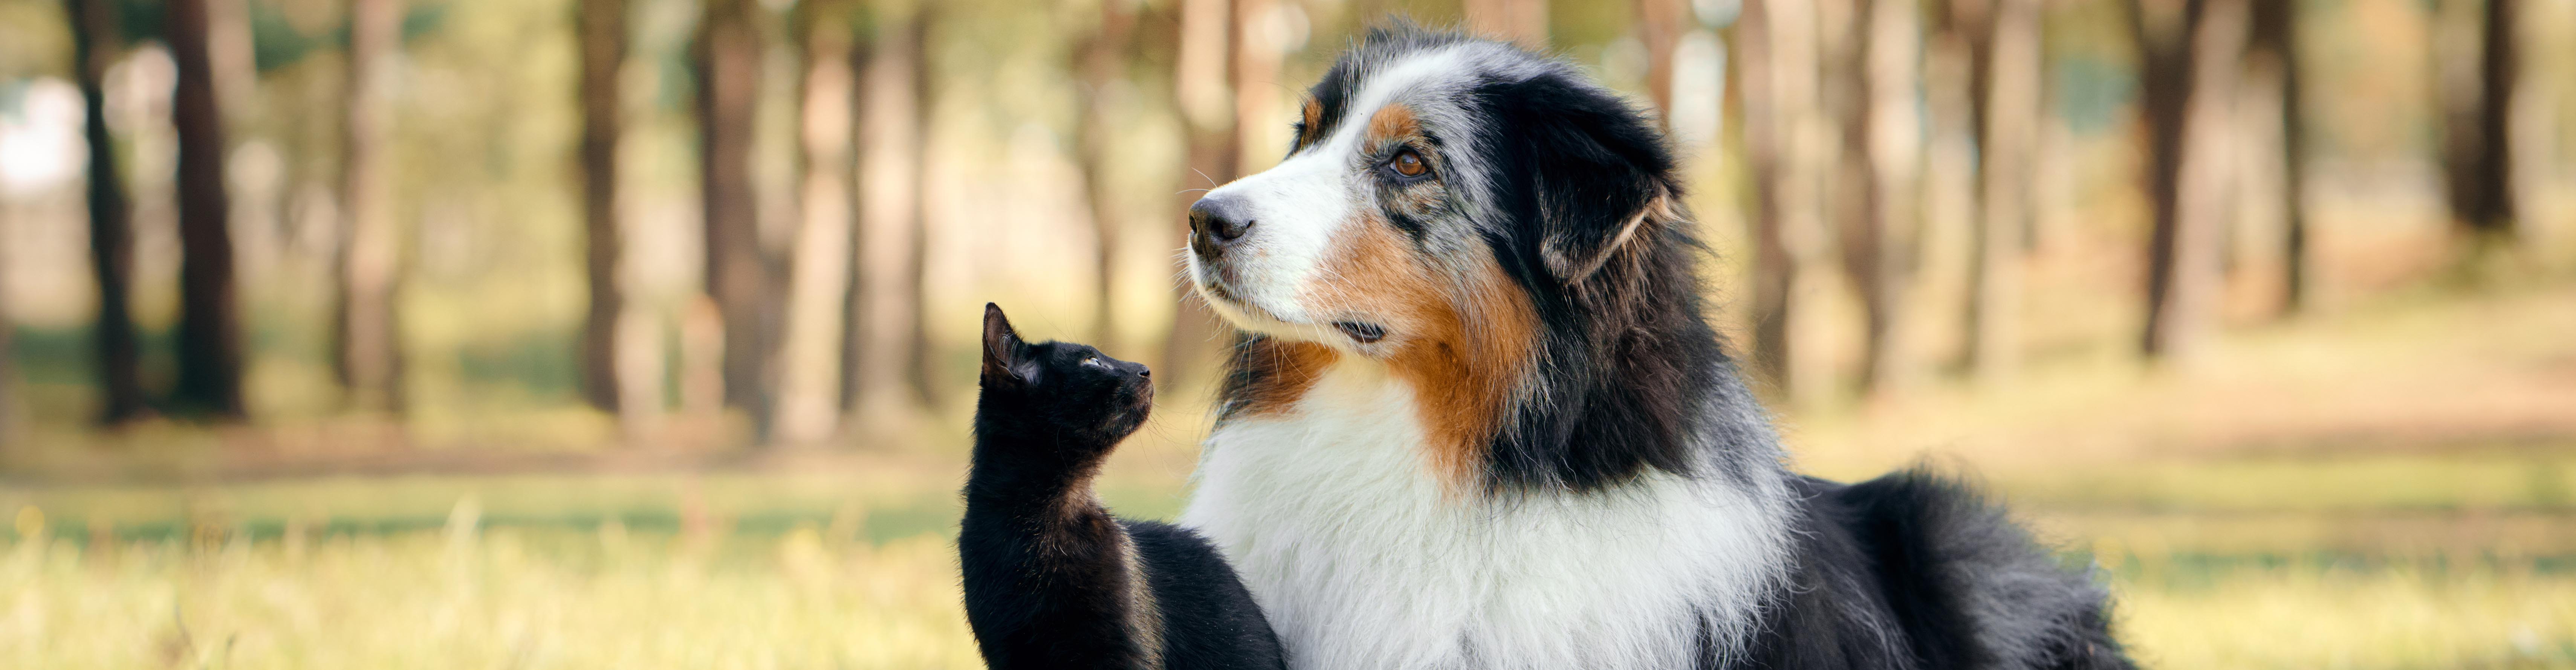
(1002, 345)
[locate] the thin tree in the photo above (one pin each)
(818, 281)
(918, 346)
(2477, 142)
(369, 337)
(8, 371)
(1101, 58)
(2187, 79)
(1882, 148)
(1777, 70)
(95, 43)
(1659, 26)
(210, 344)
(1203, 90)
(890, 371)
(2275, 43)
(1522, 21)
(600, 28)
(2005, 60)
(727, 55)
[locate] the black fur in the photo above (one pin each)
(1914, 571)
(1911, 571)
(1625, 376)
(1048, 576)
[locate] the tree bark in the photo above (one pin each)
(2477, 138)
(818, 286)
(1659, 26)
(727, 52)
(115, 349)
(2276, 37)
(2187, 84)
(601, 30)
(1203, 83)
(1882, 149)
(1102, 60)
(369, 335)
(2005, 54)
(886, 303)
(210, 345)
(1788, 145)
(1522, 22)
(8, 370)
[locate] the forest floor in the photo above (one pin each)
(2390, 486)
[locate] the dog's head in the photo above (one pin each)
(1495, 229)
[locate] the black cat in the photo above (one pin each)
(1052, 580)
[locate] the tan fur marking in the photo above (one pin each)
(1392, 123)
(1314, 127)
(1144, 614)
(1287, 370)
(1462, 343)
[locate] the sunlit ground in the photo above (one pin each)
(2393, 487)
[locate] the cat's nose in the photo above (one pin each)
(1142, 371)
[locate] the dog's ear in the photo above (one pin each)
(1003, 350)
(1600, 177)
(1578, 245)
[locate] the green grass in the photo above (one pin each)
(851, 568)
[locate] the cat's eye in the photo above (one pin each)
(1094, 361)
(1408, 164)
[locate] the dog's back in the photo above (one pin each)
(1916, 570)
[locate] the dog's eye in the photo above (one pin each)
(1408, 164)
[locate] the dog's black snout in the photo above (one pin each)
(1217, 220)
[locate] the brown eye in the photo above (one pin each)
(1409, 164)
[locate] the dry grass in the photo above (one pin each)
(561, 599)
(496, 600)
(2389, 489)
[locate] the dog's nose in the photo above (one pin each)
(1216, 221)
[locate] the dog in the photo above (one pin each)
(1475, 416)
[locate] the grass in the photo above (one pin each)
(503, 599)
(817, 596)
(2278, 505)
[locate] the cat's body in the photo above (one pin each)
(1052, 580)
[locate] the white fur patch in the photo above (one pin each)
(1302, 204)
(1361, 559)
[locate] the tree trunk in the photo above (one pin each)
(1101, 58)
(1882, 147)
(1523, 22)
(210, 345)
(601, 28)
(919, 351)
(2005, 54)
(2276, 37)
(886, 303)
(1788, 145)
(95, 43)
(369, 341)
(818, 286)
(737, 271)
(1204, 88)
(8, 371)
(1659, 25)
(2477, 138)
(2187, 84)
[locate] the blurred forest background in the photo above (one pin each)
(577, 333)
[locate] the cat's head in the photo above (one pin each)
(1060, 386)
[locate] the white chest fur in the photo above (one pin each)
(1360, 559)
